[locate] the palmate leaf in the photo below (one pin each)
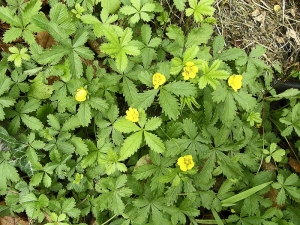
(199, 9)
(212, 74)
(131, 145)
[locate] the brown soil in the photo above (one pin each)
(246, 23)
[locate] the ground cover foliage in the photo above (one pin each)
(110, 110)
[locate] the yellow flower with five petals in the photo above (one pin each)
(235, 81)
(81, 94)
(189, 71)
(158, 79)
(186, 162)
(132, 115)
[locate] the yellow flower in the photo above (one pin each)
(186, 162)
(132, 115)
(235, 81)
(158, 79)
(189, 71)
(81, 94)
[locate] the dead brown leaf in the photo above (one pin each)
(9, 220)
(292, 34)
(272, 195)
(259, 17)
(268, 166)
(294, 164)
(44, 39)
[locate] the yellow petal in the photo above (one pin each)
(189, 64)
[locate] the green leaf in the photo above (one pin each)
(39, 90)
(130, 91)
(47, 180)
(6, 138)
(169, 104)
(153, 123)
(71, 123)
(245, 194)
(212, 74)
(143, 172)
(181, 88)
(154, 142)
(190, 54)
(257, 51)
(36, 179)
(12, 34)
(291, 180)
(31, 106)
(53, 28)
(180, 4)
(9, 17)
(198, 36)
(232, 54)
(75, 64)
(5, 84)
(145, 99)
(58, 13)
(31, 8)
(245, 100)
(90, 19)
(126, 126)
(199, 9)
(176, 33)
(7, 172)
(6, 101)
(207, 170)
(53, 55)
(68, 207)
(84, 114)
(290, 93)
(53, 122)
(80, 147)
(80, 38)
(98, 103)
(32, 122)
(121, 61)
(131, 145)
(111, 6)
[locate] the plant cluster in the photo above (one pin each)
(134, 112)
